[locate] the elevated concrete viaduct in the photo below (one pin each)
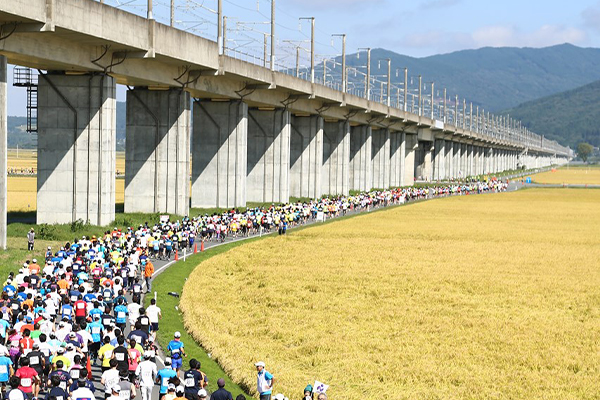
(257, 135)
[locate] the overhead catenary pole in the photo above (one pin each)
(150, 16)
(224, 35)
(172, 13)
(272, 35)
(265, 52)
(464, 121)
(456, 111)
(220, 27)
(389, 81)
(312, 47)
(405, 89)
(432, 90)
(297, 61)
(420, 110)
(445, 104)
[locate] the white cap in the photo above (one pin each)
(116, 388)
(34, 260)
(177, 334)
(278, 396)
(260, 364)
(202, 393)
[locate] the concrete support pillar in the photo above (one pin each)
(3, 150)
(411, 145)
(470, 160)
(77, 142)
(268, 159)
(157, 151)
(478, 161)
(306, 157)
(219, 154)
(335, 176)
(439, 161)
(397, 155)
(456, 159)
(360, 158)
(428, 161)
(380, 153)
(463, 160)
(449, 159)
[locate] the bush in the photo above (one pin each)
(47, 232)
(79, 225)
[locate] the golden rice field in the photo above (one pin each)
(22, 189)
(474, 297)
(572, 176)
(22, 193)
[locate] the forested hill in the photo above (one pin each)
(570, 117)
(494, 78)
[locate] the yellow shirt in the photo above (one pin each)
(105, 353)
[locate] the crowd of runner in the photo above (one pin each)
(73, 325)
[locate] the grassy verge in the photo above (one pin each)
(173, 280)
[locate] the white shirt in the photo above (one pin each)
(111, 378)
(153, 312)
(82, 393)
(146, 370)
(134, 311)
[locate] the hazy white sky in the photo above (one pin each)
(417, 28)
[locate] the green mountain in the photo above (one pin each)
(570, 117)
(493, 78)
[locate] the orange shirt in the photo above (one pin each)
(63, 284)
(29, 303)
(27, 326)
(149, 270)
(34, 268)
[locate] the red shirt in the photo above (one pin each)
(27, 375)
(80, 308)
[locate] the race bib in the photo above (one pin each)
(145, 321)
(120, 356)
(125, 394)
(80, 306)
(73, 298)
(165, 382)
(74, 373)
(26, 382)
(175, 351)
(96, 330)
(121, 314)
(63, 385)
(34, 360)
(3, 369)
(190, 382)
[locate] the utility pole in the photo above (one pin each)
(477, 120)
(420, 95)
(464, 122)
(343, 36)
(325, 70)
(220, 26)
(272, 35)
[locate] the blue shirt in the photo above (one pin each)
(5, 363)
(95, 329)
(164, 375)
(121, 314)
(175, 347)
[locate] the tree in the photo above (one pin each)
(584, 150)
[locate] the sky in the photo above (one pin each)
(416, 28)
